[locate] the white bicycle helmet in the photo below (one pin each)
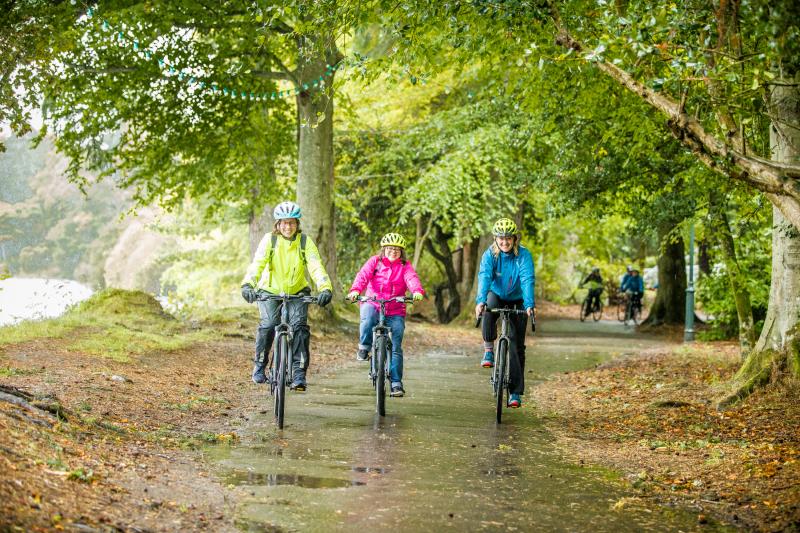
(286, 210)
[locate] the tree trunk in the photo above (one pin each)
(419, 242)
(778, 348)
(721, 228)
(259, 224)
(315, 154)
(447, 297)
(469, 265)
(670, 304)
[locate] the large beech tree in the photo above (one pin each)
(179, 98)
(723, 75)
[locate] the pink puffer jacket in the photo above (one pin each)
(384, 279)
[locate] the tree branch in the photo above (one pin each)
(767, 176)
(272, 75)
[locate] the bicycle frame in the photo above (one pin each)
(283, 337)
(381, 339)
(499, 378)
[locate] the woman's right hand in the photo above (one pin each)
(352, 296)
(479, 310)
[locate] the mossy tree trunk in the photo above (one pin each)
(315, 151)
(722, 231)
(777, 351)
(669, 306)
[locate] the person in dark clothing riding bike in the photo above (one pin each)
(595, 282)
(633, 287)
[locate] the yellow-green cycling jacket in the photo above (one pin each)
(282, 270)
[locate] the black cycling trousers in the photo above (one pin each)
(516, 333)
(594, 296)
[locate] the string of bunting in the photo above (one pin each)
(210, 86)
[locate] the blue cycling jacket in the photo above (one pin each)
(634, 284)
(510, 277)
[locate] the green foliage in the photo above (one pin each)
(113, 323)
(753, 243)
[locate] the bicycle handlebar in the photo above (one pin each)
(399, 299)
(285, 297)
(510, 311)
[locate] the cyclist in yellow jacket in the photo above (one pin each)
(279, 266)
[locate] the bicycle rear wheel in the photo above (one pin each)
(597, 312)
(380, 377)
(500, 387)
(282, 354)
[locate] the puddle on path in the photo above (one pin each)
(248, 477)
(437, 460)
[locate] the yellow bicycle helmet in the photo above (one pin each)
(393, 239)
(504, 227)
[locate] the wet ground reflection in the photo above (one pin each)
(437, 460)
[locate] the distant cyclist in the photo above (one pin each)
(633, 286)
(279, 266)
(624, 278)
(594, 281)
(506, 279)
(386, 275)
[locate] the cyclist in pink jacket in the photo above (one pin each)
(386, 275)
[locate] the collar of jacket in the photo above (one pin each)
(386, 262)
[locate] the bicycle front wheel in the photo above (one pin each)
(380, 375)
(282, 353)
(584, 309)
(621, 311)
(636, 314)
(501, 384)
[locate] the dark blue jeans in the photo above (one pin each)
(397, 326)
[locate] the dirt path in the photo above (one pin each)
(122, 451)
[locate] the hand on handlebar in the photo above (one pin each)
(324, 298)
(352, 296)
(479, 310)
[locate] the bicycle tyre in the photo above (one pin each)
(636, 314)
(584, 309)
(380, 375)
(621, 307)
(597, 313)
(494, 379)
(502, 361)
(280, 390)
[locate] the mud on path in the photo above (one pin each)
(88, 443)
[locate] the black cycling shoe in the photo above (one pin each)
(298, 386)
(397, 391)
(362, 355)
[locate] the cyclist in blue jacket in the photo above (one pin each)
(506, 279)
(633, 286)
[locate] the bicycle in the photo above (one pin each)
(499, 378)
(381, 361)
(633, 310)
(281, 369)
(596, 311)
